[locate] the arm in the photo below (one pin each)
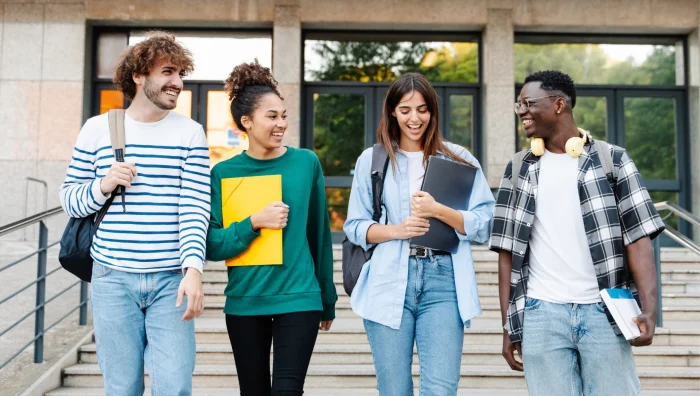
(194, 206)
(226, 242)
(640, 258)
(473, 224)
(318, 234)
(505, 259)
(640, 223)
(80, 193)
(501, 241)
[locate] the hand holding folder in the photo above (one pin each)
(243, 197)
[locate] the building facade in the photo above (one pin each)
(636, 64)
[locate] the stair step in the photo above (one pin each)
(347, 392)
(483, 331)
(489, 311)
(362, 376)
(339, 354)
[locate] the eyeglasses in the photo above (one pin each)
(522, 107)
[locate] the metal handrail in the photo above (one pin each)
(41, 301)
(19, 224)
(675, 235)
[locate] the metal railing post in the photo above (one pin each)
(657, 264)
(82, 319)
(40, 293)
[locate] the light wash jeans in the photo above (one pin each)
(571, 349)
(431, 318)
(136, 322)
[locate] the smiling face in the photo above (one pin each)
(540, 117)
(267, 124)
(162, 85)
(413, 116)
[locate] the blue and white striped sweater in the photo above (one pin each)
(167, 205)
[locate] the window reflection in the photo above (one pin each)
(370, 61)
(224, 139)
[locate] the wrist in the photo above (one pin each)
(254, 222)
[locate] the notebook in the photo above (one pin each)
(450, 183)
(623, 307)
(242, 197)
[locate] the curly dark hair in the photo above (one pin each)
(246, 85)
(554, 81)
(143, 56)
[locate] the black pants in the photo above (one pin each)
(294, 336)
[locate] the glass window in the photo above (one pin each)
(650, 136)
(375, 60)
(590, 114)
(224, 139)
(592, 63)
(338, 200)
(461, 126)
(339, 131)
(109, 47)
(216, 53)
(184, 103)
(110, 99)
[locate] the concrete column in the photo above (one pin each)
(41, 82)
(286, 63)
(694, 124)
(498, 94)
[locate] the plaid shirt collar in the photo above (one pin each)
(616, 212)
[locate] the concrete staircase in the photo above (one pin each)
(342, 361)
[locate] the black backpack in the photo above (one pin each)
(354, 256)
(76, 241)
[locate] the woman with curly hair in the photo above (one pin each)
(285, 303)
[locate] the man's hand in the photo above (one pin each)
(191, 286)
(274, 217)
(120, 174)
(325, 325)
(508, 352)
(647, 326)
(423, 205)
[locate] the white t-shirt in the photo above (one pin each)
(561, 267)
(416, 170)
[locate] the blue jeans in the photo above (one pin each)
(431, 319)
(136, 322)
(571, 349)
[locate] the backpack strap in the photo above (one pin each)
(117, 138)
(116, 132)
(380, 163)
(606, 160)
(517, 164)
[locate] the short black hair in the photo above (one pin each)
(554, 81)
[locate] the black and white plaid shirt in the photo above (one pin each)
(616, 212)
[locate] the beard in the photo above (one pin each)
(153, 93)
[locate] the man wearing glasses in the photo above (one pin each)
(564, 231)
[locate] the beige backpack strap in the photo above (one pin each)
(116, 131)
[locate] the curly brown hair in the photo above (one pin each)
(143, 56)
(246, 85)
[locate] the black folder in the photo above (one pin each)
(450, 183)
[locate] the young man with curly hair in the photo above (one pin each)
(148, 252)
(565, 230)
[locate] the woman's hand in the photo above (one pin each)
(273, 217)
(411, 227)
(423, 205)
(325, 325)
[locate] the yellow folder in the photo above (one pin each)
(245, 196)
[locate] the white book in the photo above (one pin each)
(623, 307)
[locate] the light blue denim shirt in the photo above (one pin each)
(381, 289)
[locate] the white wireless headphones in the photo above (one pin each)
(574, 146)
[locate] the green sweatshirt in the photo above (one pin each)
(304, 282)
